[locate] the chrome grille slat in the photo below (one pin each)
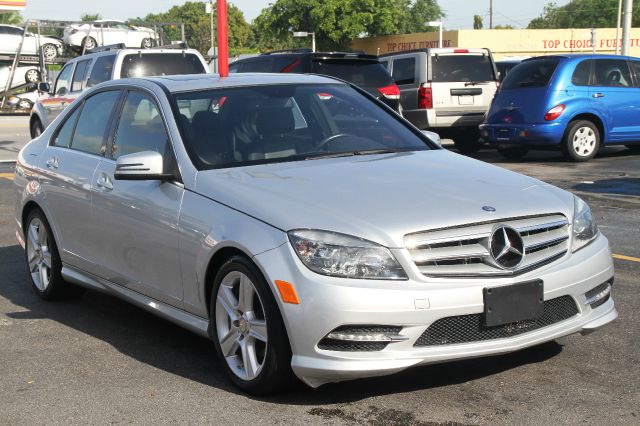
(463, 251)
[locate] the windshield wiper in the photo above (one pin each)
(317, 155)
(475, 83)
(376, 151)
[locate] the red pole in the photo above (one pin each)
(223, 40)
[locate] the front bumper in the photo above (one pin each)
(523, 134)
(327, 303)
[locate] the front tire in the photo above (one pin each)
(581, 141)
(36, 128)
(49, 51)
(32, 76)
(43, 259)
(513, 152)
(25, 104)
(88, 43)
(147, 43)
(247, 329)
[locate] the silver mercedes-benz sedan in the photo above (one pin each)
(303, 227)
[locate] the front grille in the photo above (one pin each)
(470, 328)
(463, 251)
(355, 346)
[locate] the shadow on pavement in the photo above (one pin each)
(161, 344)
(620, 186)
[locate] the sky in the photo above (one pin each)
(459, 13)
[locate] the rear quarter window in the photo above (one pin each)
(535, 73)
(157, 64)
(404, 71)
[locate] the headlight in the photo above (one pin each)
(584, 228)
(340, 255)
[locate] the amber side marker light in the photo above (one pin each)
(287, 292)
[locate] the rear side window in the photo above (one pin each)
(101, 70)
(63, 138)
(404, 71)
(149, 64)
(582, 74)
(234, 67)
(359, 72)
(535, 73)
(612, 73)
(93, 123)
(461, 67)
(636, 69)
(79, 75)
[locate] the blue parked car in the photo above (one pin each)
(575, 102)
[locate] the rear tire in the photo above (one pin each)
(32, 76)
(43, 259)
(147, 43)
(88, 43)
(257, 365)
(581, 141)
(36, 128)
(467, 141)
(513, 152)
(49, 51)
(25, 104)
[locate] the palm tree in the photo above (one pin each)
(10, 18)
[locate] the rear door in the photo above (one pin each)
(463, 83)
(615, 96)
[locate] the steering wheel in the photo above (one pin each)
(332, 138)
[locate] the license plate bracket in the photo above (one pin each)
(513, 303)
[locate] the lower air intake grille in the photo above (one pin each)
(330, 344)
(470, 328)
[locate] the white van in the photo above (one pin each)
(446, 90)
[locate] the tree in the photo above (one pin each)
(337, 22)
(477, 22)
(197, 26)
(90, 17)
(504, 27)
(582, 14)
(10, 18)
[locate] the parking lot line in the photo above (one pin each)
(623, 257)
(8, 176)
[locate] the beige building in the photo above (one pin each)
(505, 43)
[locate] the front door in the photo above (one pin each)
(69, 165)
(138, 220)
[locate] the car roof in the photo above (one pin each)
(582, 56)
(191, 82)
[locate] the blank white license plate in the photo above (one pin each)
(465, 100)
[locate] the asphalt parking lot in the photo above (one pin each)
(97, 360)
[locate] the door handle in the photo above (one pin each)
(52, 163)
(598, 95)
(105, 182)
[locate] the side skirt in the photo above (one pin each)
(177, 316)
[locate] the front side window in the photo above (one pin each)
(92, 127)
(404, 70)
(102, 70)
(249, 125)
(64, 81)
(140, 127)
(612, 73)
(63, 138)
(79, 75)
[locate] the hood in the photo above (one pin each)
(381, 197)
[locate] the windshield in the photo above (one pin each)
(155, 64)
(250, 125)
(359, 72)
(532, 73)
(461, 67)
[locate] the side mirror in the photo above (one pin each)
(44, 87)
(433, 136)
(145, 165)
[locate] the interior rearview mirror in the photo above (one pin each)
(145, 165)
(433, 136)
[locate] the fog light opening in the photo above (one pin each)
(598, 295)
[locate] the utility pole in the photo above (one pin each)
(626, 26)
(490, 14)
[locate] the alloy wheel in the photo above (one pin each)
(49, 51)
(584, 141)
(241, 325)
(39, 254)
(24, 104)
(32, 76)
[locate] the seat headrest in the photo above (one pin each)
(273, 121)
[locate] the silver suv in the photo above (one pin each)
(446, 90)
(110, 63)
(304, 227)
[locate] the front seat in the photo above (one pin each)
(613, 78)
(275, 127)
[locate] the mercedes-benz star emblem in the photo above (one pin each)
(489, 209)
(506, 247)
